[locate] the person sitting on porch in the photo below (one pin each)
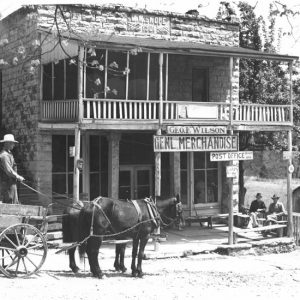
(257, 209)
(276, 211)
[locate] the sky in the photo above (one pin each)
(289, 44)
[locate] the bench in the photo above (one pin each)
(278, 227)
(204, 218)
(200, 220)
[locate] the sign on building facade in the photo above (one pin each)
(169, 143)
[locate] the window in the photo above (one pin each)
(138, 76)
(205, 179)
(60, 80)
(62, 165)
(98, 166)
(95, 74)
(116, 80)
(200, 85)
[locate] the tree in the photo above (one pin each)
(261, 81)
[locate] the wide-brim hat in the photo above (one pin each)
(9, 138)
(258, 195)
(275, 196)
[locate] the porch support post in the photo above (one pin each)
(161, 61)
(230, 198)
(113, 164)
(158, 170)
(77, 127)
(290, 229)
(158, 154)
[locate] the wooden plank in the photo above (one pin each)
(54, 235)
(21, 210)
(54, 227)
(8, 220)
(258, 229)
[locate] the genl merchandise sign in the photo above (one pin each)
(172, 143)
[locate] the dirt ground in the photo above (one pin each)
(204, 276)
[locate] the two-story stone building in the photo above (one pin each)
(148, 95)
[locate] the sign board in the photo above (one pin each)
(194, 129)
(171, 143)
(232, 171)
(291, 169)
(287, 155)
(224, 156)
(196, 111)
(149, 24)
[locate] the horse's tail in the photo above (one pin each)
(82, 250)
(67, 227)
(83, 232)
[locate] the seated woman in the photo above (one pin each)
(257, 209)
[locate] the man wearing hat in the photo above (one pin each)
(257, 207)
(8, 171)
(276, 209)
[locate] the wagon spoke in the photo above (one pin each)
(6, 256)
(28, 243)
(35, 246)
(32, 262)
(24, 235)
(10, 241)
(17, 267)
(36, 254)
(17, 237)
(12, 263)
(7, 249)
(23, 260)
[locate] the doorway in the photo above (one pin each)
(135, 181)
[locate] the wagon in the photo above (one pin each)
(23, 239)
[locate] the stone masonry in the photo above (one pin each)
(21, 85)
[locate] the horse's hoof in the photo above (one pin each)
(123, 269)
(117, 268)
(134, 274)
(75, 270)
(140, 274)
(98, 275)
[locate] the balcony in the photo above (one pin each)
(109, 111)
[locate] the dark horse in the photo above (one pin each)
(119, 219)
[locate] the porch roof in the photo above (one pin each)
(179, 47)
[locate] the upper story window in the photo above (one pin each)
(200, 85)
(122, 75)
(60, 80)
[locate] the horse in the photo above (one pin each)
(120, 219)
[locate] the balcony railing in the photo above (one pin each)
(171, 111)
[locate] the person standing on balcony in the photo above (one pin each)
(8, 171)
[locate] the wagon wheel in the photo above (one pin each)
(23, 250)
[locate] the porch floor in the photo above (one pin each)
(195, 240)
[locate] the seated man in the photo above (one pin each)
(276, 211)
(257, 208)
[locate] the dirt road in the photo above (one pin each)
(210, 276)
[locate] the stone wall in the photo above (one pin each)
(91, 21)
(20, 85)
